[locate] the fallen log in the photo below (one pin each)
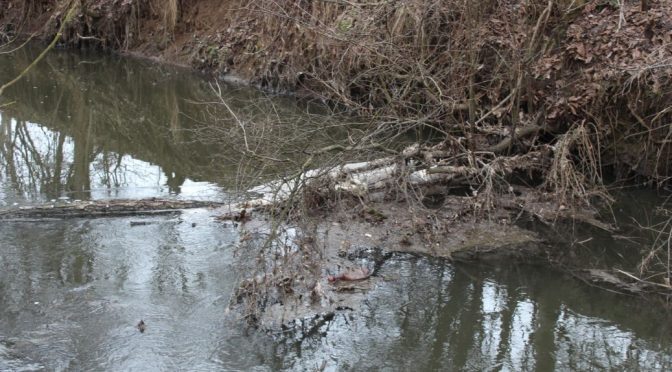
(623, 282)
(101, 208)
(416, 165)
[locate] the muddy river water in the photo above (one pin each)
(91, 126)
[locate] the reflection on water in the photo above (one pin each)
(42, 164)
(71, 292)
(433, 316)
(86, 126)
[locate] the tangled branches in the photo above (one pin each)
(499, 76)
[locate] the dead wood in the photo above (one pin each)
(101, 208)
(521, 133)
(621, 281)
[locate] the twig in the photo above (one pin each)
(508, 141)
(51, 45)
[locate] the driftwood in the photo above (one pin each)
(623, 282)
(424, 167)
(101, 208)
(416, 165)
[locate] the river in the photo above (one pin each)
(85, 125)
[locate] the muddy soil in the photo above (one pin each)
(294, 291)
(291, 290)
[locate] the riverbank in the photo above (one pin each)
(589, 71)
(540, 96)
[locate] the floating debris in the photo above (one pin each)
(141, 326)
(141, 223)
(241, 216)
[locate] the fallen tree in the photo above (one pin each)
(430, 169)
(100, 208)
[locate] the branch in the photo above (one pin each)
(51, 45)
(504, 144)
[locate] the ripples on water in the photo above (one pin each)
(71, 292)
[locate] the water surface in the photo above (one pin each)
(89, 126)
(92, 126)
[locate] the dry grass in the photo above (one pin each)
(502, 77)
(168, 9)
(576, 171)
